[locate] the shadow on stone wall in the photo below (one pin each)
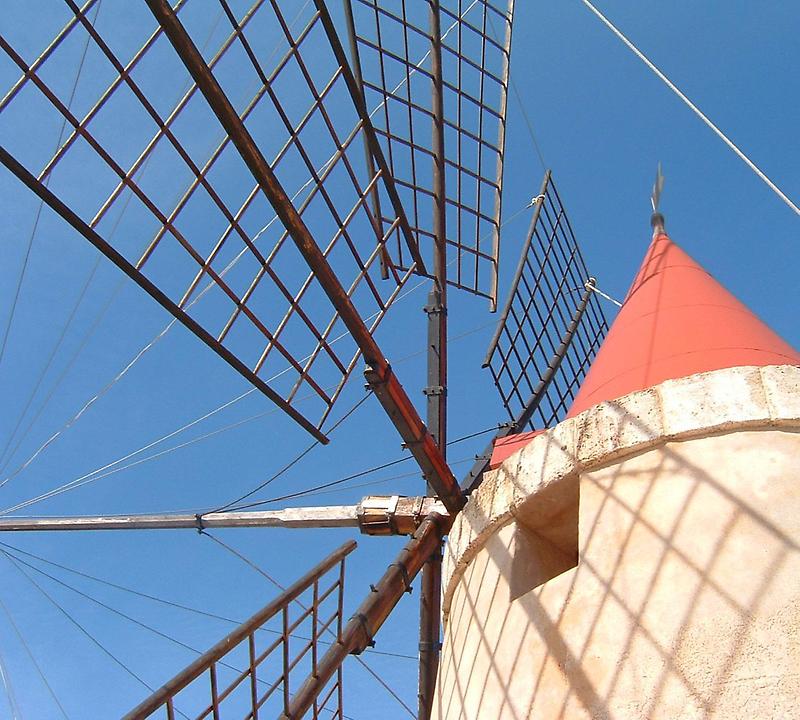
(683, 603)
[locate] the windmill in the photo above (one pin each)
(391, 122)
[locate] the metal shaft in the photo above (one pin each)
(331, 516)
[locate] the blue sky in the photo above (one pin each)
(602, 121)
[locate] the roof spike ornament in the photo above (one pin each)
(657, 219)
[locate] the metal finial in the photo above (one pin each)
(657, 219)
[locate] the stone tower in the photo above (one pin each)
(642, 558)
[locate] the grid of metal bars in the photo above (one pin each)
(250, 672)
(397, 54)
(552, 324)
(144, 170)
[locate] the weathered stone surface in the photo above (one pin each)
(681, 507)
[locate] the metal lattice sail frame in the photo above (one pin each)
(261, 275)
(410, 57)
(552, 324)
(239, 286)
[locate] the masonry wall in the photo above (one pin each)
(663, 582)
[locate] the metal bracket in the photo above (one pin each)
(433, 390)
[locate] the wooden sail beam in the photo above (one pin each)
(374, 515)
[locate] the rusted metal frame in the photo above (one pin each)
(44, 55)
(324, 701)
(460, 143)
(317, 106)
(309, 360)
(148, 286)
(251, 650)
(200, 176)
(558, 293)
(339, 628)
(386, 386)
(294, 132)
(535, 292)
(378, 47)
(362, 627)
(481, 105)
(170, 710)
(414, 147)
(245, 114)
(383, 306)
(461, 19)
(359, 79)
(554, 364)
(314, 634)
(369, 130)
(472, 136)
(285, 655)
(295, 301)
(501, 142)
(410, 105)
(517, 274)
(202, 663)
(392, 167)
(214, 696)
(103, 98)
(382, 10)
(148, 203)
(436, 390)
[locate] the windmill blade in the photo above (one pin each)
(411, 59)
(552, 324)
(303, 122)
(148, 176)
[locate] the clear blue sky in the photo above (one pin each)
(602, 121)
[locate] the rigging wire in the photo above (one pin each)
(211, 284)
(9, 688)
(264, 574)
(296, 459)
(35, 227)
(123, 615)
(80, 627)
(696, 110)
(169, 603)
(333, 483)
(28, 650)
(116, 466)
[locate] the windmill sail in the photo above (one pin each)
(551, 325)
(145, 172)
(439, 71)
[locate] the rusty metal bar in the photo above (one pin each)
(436, 391)
(362, 627)
(163, 696)
(386, 386)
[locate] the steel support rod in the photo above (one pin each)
(362, 627)
(379, 374)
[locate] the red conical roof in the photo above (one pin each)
(676, 321)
